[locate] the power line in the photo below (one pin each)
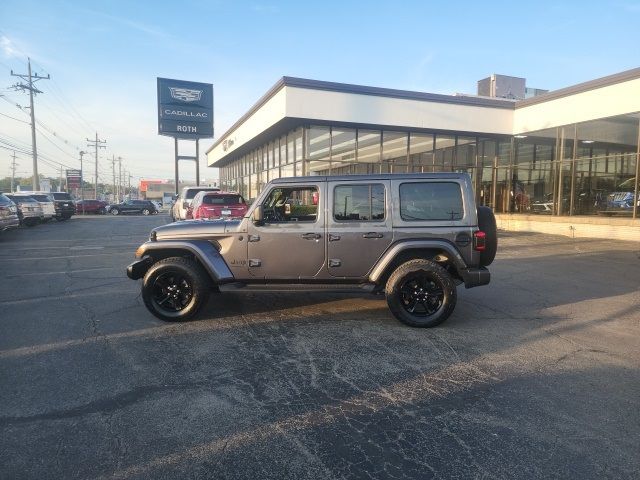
(14, 118)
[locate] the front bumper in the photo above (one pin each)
(139, 268)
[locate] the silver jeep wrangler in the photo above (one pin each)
(414, 237)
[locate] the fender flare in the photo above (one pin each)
(388, 257)
(204, 252)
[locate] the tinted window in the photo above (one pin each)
(193, 191)
(431, 201)
(358, 202)
(4, 200)
(61, 196)
(222, 199)
(41, 198)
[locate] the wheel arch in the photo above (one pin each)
(205, 253)
(440, 252)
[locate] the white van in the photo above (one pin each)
(179, 209)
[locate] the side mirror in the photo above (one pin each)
(258, 215)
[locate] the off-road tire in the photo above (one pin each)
(198, 288)
(437, 286)
(487, 224)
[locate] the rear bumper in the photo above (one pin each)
(475, 277)
(7, 223)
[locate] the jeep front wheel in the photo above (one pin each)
(420, 293)
(174, 289)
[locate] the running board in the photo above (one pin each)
(297, 287)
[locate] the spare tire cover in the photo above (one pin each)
(487, 224)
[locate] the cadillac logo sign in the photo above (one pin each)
(185, 94)
(185, 109)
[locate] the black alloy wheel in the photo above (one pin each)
(175, 288)
(172, 291)
(421, 293)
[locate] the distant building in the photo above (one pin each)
(504, 86)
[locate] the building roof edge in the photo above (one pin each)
(581, 87)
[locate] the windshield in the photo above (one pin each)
(61, 196)
(222, 200)
(4, 199)
(41, 198)
(193, 191)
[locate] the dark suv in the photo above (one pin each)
(64, 206)
(144, 207)
(414, 237)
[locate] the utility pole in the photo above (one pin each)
(60, 184)
(31, 79)
(113, 166)
(119, 176)
(96, 144)
(82, 179)
(13, 171)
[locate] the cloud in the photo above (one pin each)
(8, 48)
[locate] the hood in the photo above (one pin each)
(196, 229)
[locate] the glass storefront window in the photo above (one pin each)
(421, 152)
(368, 146)
(444, 153)
(343, 147)
(394, 151)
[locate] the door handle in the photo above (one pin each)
(311, 236)
(372, 235)
(333, 238)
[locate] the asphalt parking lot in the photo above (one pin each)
(535, 376)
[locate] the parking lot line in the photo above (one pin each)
(62, 272)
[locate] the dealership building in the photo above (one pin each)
(564, 161)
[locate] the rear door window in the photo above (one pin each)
(358, 203)
(421, 201)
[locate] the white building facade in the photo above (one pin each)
(567, 156)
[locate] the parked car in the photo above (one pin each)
(65, 208)
(45, 200)
(217, 205)
(8, 214)
(179, 209)
(29, 210)
(145, 207)
(621, 201)
(91, 206)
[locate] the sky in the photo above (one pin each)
(104, 57)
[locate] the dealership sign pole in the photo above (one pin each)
(185, 111)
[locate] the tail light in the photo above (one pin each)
(479, 241)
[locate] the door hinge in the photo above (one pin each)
(254, 238)
(254, 262)
(335, 262)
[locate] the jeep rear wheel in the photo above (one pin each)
(420, 293)
(174, 289)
